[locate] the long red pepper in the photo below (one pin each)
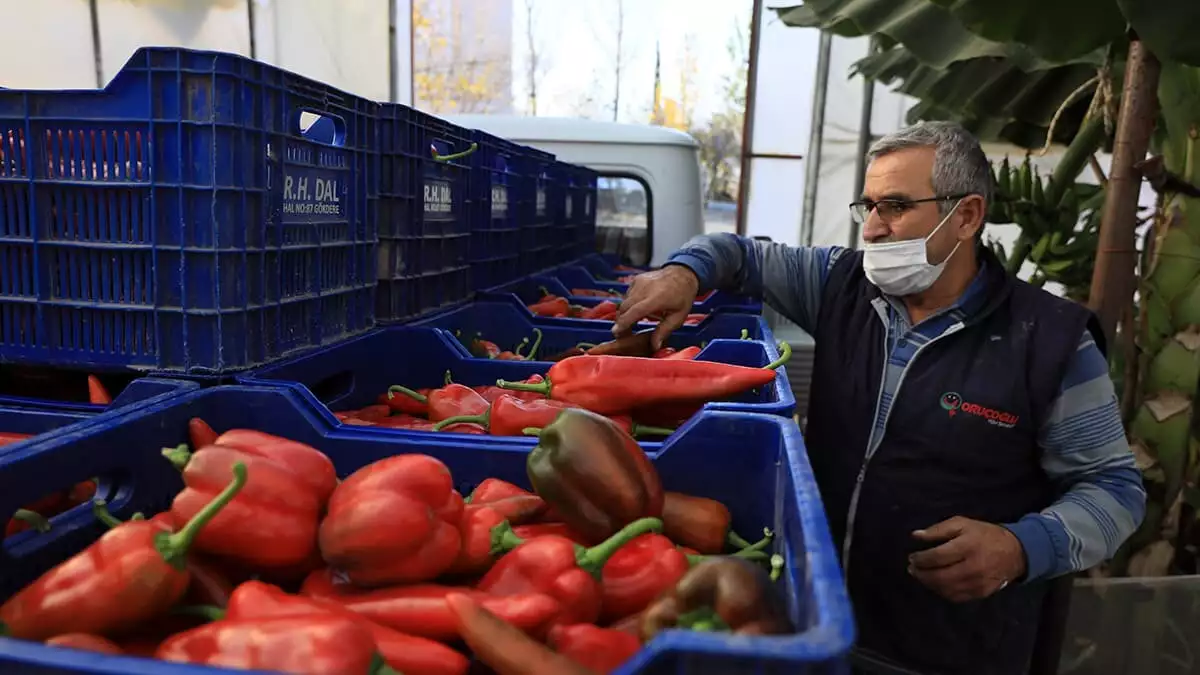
(97, 394)
(273, 522)
(449, 401)
(699, 522)
(602, 650)
(603, 310)
(685, 354)
(317, 644)
(617, 384)
(200, 433)
(10, 437)
(393, 521)
(559, 568)
(422, 610)
(408, 654)
(501, 647)
(133, 573)
(509, 416)
(484, 348)
(550, 307)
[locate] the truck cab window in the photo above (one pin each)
(623, 218)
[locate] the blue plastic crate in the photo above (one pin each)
(538, 216)
(585, 231)
(179, 220)
(424, 203)
(133, 392)
(499, 181)
(767, 482)
(577, 276)
(352, 375)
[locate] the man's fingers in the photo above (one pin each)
(947, 529)
(630, 312)
(667, 326)
(946, 555)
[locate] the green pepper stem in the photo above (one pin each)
(585, 345)
(395, 388)
(504, 539)
(532, 431)
(446, 379)
(380, 667)
(703, 619)
(745, 334)
(518, 348)
(102, 514)
(777, 564)
(482, 419)
(537, 343)
(451, 157)
(33, 519)
(768, 537)
(592, 559)
(174, 547)
(542, 387)
(178, 455)
(785, 353)
(544, 291)
(735, 540)
(642, 430)
(203, 611)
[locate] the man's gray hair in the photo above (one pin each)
(959, 165)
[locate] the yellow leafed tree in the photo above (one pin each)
(444, 79)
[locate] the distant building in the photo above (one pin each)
(462, 56)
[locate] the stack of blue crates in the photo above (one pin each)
(221, 238)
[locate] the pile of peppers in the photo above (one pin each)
(267, 561)
(556, 306)
(646, 396)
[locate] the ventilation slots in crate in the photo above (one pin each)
(424, 233)
(180, 220)
(539, 215)
(498, 186)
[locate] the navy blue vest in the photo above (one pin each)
(961, 440)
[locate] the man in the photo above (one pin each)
(962, 427)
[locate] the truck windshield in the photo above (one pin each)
(622, 218)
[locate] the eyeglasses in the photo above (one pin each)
(890, 209)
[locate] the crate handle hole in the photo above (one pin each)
(334, 387)
(321, 127)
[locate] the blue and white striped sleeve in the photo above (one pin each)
(1084, 450)
(788, 278)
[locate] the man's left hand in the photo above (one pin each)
(976, 559)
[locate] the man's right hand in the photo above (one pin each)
(669, 292)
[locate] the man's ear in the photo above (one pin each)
(972, 213)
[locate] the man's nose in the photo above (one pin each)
(874, 228)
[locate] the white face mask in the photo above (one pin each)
(902, 268)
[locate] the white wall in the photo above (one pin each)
(344, 43)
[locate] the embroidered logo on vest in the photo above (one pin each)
(953, 403)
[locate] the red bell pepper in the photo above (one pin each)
(134, 572)
(273, 523)
(406, 653)
(501, 647)
(559, 568)
(699, 523)
(393, 521)
(10, 437)
(484, 349)
(618, 384)
(200, 433)
(725, 593)
(601, 650)
(407, 404)
(594, 475)
(478, 550)
(449, 401)
(97, 394)
(638, 573)
(550, 307)
(509, 416)
(555, 529)
(494, 489)
(85, 642)
(316, 644)
(422, 609)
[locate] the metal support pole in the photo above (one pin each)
(864, 142)
(815, 136)
(747, 161)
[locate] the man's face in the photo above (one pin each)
(902, 176)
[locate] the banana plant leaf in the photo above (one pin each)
(1036, 34)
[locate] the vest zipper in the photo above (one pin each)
(882, 428)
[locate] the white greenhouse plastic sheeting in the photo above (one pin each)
(344, 43)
